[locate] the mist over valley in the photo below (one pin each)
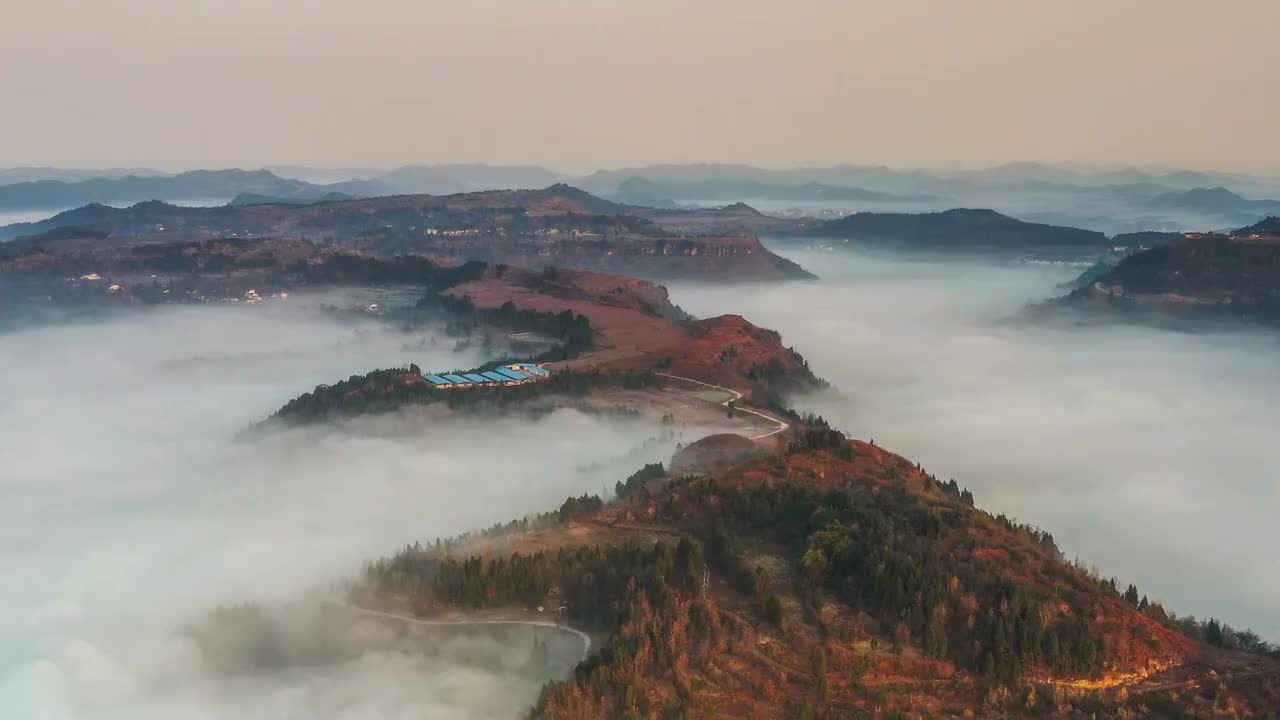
(629, 360)
(1104, 433)
(135, 504)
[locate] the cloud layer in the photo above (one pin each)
(1147, 453)
(131, 506)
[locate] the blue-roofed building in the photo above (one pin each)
(513, 374)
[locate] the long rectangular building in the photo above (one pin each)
(512, 374)
(457, 380)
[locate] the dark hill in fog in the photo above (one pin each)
(959, 230)
(1199, 277)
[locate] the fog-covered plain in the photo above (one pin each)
(1149, 454)
(129, 506)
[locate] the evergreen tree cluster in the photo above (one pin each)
(572, 331)
(815, 433)
(576, 507)
(639, 479)
(596, 584)
(907, 562)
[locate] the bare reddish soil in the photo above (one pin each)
(637, 328)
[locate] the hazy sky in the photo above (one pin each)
(580, 84)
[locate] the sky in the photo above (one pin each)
(581, 84)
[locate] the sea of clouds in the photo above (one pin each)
(132, 502)
(1149, 454)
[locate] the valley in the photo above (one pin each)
(727, 360)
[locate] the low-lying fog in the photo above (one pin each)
(129, 507)
(1149, 454)
(1109, 213)
(10, 217)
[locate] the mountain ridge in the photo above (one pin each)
(559, 224)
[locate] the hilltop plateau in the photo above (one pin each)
(559, 225)
(612, 333)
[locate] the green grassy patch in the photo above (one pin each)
(713, 396)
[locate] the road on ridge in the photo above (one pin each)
(782, 426)
(586, 639)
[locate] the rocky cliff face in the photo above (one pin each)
(724, 258)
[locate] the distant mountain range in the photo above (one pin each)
(1013, 176)
(559, 225)
(11, 176)
(643, 191)
(194, 185)
(46, 188)
(479, 225)
(1216, 200)
(864, 187)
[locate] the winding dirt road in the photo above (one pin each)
(586, 639)
(781, 426)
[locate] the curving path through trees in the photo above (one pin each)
(586, 639)
(782, 426)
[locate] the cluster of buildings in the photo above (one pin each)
(515, 374)
(452, 233)
(254, 297)
(572, 231)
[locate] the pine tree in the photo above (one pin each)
(773, 611)
(819, 663)
(1213, 633)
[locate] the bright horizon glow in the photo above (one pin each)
(578, 85)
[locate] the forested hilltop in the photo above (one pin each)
(610, 332)
(961, 230)
(829, 579)
(1199, 278)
